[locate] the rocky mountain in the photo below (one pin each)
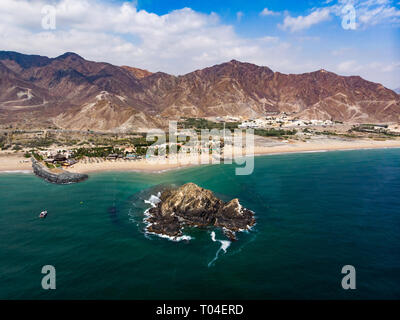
(397, 90)
(191, 205)
(71, 92)
(138, 73)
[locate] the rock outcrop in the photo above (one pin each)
(64, 177)
(191, 205)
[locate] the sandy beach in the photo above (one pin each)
(322, 144)
(263, 146)
(9, 163)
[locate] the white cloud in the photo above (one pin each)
(385, 67)
(377, 71)
(304, 22)
(267, 12)
(177, 42)
(349, 67)
(370, 12)
(378, 14)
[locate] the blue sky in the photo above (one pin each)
(180, 36)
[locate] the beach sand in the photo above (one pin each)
(263, 146)
(14, 163)
(323, 144)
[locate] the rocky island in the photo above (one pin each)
(191, 205)
(61, 177)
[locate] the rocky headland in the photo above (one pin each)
(191, 205)
(64, 177)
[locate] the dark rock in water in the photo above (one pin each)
(191, 205)
(64, 177)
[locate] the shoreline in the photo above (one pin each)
(324, 150)
(14, 164)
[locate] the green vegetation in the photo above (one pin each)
(141, 151)
(3, 141)
(38, 157)
(41, 143)
(274, 132)
(142, 142)
(326, 133)
(347, 135)
(71, 142)
(198, 124)
(97, 152)
(49, 165)
(17, 147)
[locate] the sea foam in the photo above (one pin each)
(153, 201)
(224, 246)
(16, 171)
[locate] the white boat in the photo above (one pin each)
(43, 214)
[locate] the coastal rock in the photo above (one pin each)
(191, 205)
(64, 177)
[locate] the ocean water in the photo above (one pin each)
(316, 212)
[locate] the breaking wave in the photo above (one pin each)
(224, 246)
(153, 201)
(16, 171)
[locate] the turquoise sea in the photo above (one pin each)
(316, 212)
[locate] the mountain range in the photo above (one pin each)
(70, 92)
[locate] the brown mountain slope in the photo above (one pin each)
(17, 93)
(236, 88)
(71, 77)
(66, 91)
(138, 73)
(106, 112)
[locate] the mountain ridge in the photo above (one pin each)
(72, 90)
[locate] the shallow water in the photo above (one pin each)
(315, 213)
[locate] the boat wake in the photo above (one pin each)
(224, 246)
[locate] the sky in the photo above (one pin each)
(348, 37)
